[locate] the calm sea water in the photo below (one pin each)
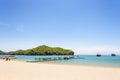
(90, 60)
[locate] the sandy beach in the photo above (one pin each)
(16, 70)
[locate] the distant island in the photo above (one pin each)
(41, 50)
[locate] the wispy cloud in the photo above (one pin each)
(4, 24)
(15, 27)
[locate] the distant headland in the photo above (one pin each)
(41, 50)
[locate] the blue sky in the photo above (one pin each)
(85, 26)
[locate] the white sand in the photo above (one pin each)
(16, 70)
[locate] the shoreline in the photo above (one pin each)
(47, 63)
(95, 63)
(79, 65)
(66, 64)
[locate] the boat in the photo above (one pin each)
(98, 55)
(113, 54)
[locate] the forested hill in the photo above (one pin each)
(1, 52)
(43, 50)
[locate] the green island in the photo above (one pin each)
(41, 50)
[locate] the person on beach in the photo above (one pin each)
(7, 59)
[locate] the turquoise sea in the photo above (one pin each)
(89, 60)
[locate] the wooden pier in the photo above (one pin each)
(53, 59)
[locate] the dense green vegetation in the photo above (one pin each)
(1, 52)
(43, 50)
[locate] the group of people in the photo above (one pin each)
(6, 58)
